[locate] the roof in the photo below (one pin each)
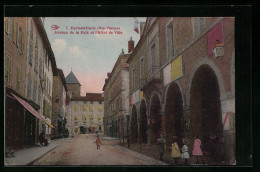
(89, 97)
(71, 79)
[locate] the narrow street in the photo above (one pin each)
(82, 150)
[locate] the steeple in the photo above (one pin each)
(71, 79)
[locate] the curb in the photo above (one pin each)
(31, 163)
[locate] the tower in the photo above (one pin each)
(73, 85)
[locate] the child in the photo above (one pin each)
(161, 146)
(196, 148)
(175, 150)
(98, 142)
(185, 154)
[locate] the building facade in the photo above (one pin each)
(116, 91)
(182, 82)
(27, 49)
(40, 68)
(15, 57)
(58, 107)
(83, 113)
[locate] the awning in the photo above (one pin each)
(49, 124)
(28, 107)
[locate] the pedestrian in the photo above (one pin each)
(184, 152)
(98, 142)
(196, 148)
(161, 145)
(175, 150)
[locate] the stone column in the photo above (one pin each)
(229, 135)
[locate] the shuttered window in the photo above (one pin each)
(36, 61)
(17, 79)
(29, 87)
(34, 91)
(8, 70)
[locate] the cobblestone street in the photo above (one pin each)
(82, 150)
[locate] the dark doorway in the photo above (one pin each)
(29, 129)
(174, 114)
(205, 106)
(156, 119)
(134, 131)
(143, 122)
(14, 124)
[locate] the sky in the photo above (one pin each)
(90, 56)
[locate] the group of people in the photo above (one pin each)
(177, 153)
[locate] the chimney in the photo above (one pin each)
(141, 28)
(131, 45)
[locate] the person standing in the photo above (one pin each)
(161, 146)
(196, 148)
(175, 150)
(184, 152)
(98, 142)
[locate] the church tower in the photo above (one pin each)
(73, 85)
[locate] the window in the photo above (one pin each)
(133, 78)
(99, 108)
(201, 24)
(20, 39)
(40, 69)
(36, 40)
(30, 52)
(83, 118)
(170, 40)
(153, 54)
(91, 102)
(100, 102)
(34, 91)
(31, 33)
(90, 118)
(11, 28)
(141, 70)
(75, 108)
(36, 61)
(29, 87)
(7, 22)
(90, 108)
(84, 102)
(39, 95)
(99, 118)
(17, 78)
(75, 118)
(83, 108)
(8, 70)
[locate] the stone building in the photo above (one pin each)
(83, 113)
(116, 91)
(58, 107)
(40, 68)
(87, 113)
(27, 50)
(182, 82)
(14, 57)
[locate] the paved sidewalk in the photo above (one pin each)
(26, 156)
(141, 157)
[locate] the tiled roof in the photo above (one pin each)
(71, 79)
(89, 97)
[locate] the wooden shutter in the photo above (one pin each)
(14, 30)
(17, 35)
(22, 42)
(7, 25)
